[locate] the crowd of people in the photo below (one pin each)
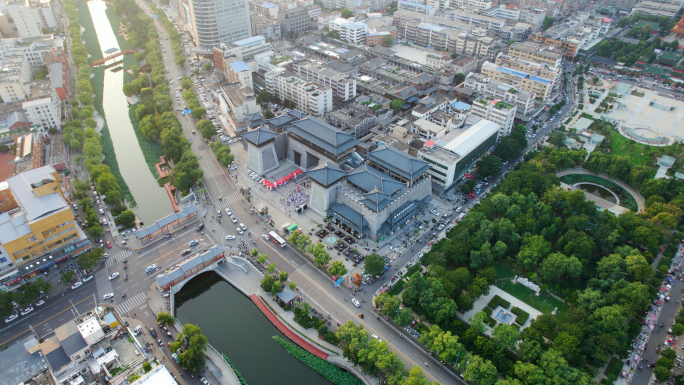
(295, 199)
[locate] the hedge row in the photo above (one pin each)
(487, 311)
(521, 315)
(498, 301)
(326, 369)
(239, 376)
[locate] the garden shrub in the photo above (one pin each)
(326, 369)
(521, 315)
(487, 311)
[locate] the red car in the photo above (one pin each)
(109, 245)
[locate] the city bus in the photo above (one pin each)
(276, 238)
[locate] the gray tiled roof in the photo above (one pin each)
(351, 215)
(286, 295)
(73, 344)
(398, 161)
(187, 267)
(17, 365)
(326, 174)
(297, 114)
(376, 200)
(57, 358)
(323, 135)
(259, 136)
(369, 178)
(280, 121)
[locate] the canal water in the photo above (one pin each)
(238, 329)
(152, 201)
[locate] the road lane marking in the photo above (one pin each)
(40, 323)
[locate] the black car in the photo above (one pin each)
(153, 333)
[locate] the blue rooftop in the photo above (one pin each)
(461, 105)
(540, 79)
(412, 4)
(512, 72)
(239, 66)
(249, 40)
(268, 5)
(431, 27)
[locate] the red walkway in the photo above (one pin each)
(285, 330)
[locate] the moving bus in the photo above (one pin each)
(276, 238)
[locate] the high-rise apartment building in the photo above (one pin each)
(24, 22)
(219, 21)
(309, 96)
(343, 86)
(497, 111)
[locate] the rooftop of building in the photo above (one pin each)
(17, 365)
(259, 136)
(240, 66)
(416, 5)
(326, 174)
(36, 207)
(237, 93)
(249, 41)
(399, 162)
(538, 49)
(160, 375)
(267, 5)
(323, 135)
(462, 141)
(368, 178)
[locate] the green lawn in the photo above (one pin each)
(504, 270)
(545, 303)
(637, 153)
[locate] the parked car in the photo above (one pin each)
(27, 310)
(77, 285)
(11, 318)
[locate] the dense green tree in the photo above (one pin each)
(337, 268)
(459, 78)
(374, 265)
(480, 371)
(346, 13)
(489, 165)
(165, 318)
(91, 258)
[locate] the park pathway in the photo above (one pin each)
(641, 202)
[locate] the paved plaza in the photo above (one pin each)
(636, 113)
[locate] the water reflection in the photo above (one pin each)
(237, 328)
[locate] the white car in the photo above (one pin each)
(376, 337)
(239, 230)
(355, 302)
(232, 218)
(230, 237)
(228, 212)
(137, 330)
(107, 296)
(11, 318)
(88, 278)
(27, 310)
(115, 275)
(41, 302)
(77, 285)
(243, 227)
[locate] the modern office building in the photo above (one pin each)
(349, 29)
(537, 53)
(343, 86)
(521, 98)
(295, 21)
(24, 21)
(44, 112)
(265, 26)
(309, 96)
(497, 111)
(237, 101)
(539, 85)
(452, 155)
(43, 228)
(219, 21)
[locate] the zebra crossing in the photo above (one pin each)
(132, 303)
(104, 285)
(228, 200)
(118, 257)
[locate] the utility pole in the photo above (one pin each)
(35, 333)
